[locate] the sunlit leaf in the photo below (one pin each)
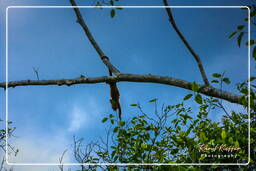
(250, 42)
(230, 140)
(195, 87)
(223, 134)
(119, 8)
(252, 78)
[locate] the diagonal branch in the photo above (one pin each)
(197, 58)
(89, 35)
(206, 90)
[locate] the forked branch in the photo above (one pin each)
(89, 35)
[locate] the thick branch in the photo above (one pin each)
(89, 35)
(206, 90)
(197, 58)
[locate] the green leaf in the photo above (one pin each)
(216, 75)
(198, 99)
(252, 79)
(112, 13)
(226, 80)
(214, 166)
(133, 105)
(98, 4)
(187, 97)
(143, 146)
(250, 42)
(153, 100)
(236, 143)
(240, 27)
(104, 119)
(111, 2)
(119, 8)
(195, 87)
(115, 129)
(232, 35)
(254, 52)
(239, 38)
(112, 121)
(202, 136)
(253, 13)
(230, 140)
(122, 123)
(16, 152)
(223, 134)
(215, 81)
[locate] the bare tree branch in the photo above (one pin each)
(197, 58)
(81, 21)
(206, 90)
(61, 167)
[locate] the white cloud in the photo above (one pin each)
(79, 118)
(83, 115)
(37, 149)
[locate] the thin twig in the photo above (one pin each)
(61, 167)
(197, 58)
(36, 71)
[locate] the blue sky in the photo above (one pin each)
(136, 40)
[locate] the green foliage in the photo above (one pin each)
(220, 79)
(100, 3)
(176, 134)
(240, 30)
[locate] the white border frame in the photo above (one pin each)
(123, 164)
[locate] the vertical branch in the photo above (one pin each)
(197, 58)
